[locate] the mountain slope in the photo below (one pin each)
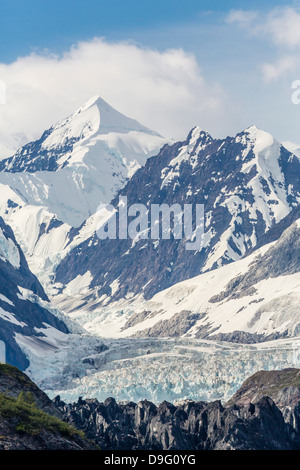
(283, 386)
(24, 310)
(252, 300)
(28, 418)
(247, 184)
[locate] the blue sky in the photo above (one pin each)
(28, 25)
(234, 63)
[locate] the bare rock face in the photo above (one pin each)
(189, 426)
(283, 386)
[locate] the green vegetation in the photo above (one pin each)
(28, 419)
(274, 381)
(14, 372)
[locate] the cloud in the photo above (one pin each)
(241, 17)
(283, 24)
(273, 71)
(163, 90)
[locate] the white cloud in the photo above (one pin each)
(273, 71)
(283, 24)
(241, 17)
(164, 90)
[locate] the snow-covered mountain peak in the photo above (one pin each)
(88, 104)
(259, 139)
(96, 120)
(81, 125)
(255, 139)
(253, 129)
(197, 134)
(112, 120)
(264, 151)
(196, 141)
(247, 184)
(79, 163)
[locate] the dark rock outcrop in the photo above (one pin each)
(250, 421)
(188, 426)
(283, 386)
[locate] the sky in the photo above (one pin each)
(170, 64)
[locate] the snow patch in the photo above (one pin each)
(9, 251)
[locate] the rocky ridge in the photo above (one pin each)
(263, 424)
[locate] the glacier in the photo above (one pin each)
(156, 369)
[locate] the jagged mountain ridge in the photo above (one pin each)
(247, 184)
(249, 425)
(53, 151)
(250, 187)
(189, 426)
